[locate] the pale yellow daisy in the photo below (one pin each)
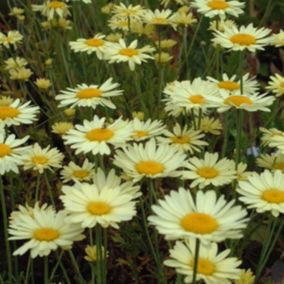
(263, 192)
(208, 217)
(213, 267)
(276, 85)
(209, 171)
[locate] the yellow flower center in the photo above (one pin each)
(149, 167)
(5, 150)
(41, 160)
(128, 52)
(199, 223)
(56, 5)
(159, 21)
(8, 112)
(229, 85)
(89, 93)
(237, 101)
(273, 195)
(80, 174)
(46, 234)
(95, 42)
(197, 99)
(139, 134)
(181, 139)
(98, 208)
(99, 134)
(279, 166)
(282, 85)
(204, 266)
(207, 172)
(218, 4)
(243, 39)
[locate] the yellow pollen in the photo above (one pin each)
(229, 85)
(207, 172)
(218, 4)
(8, 112)
(56, 5)
(141, 133)
(41, 160)
(99, 134)
(243, 39)
(128, 52)
(204, 266)
(95, 42)
(282, 85)
(80, 174)
(89, 93)
(159, 21)
(98, 208)
(197, 99)
(273, 195)
(237, 101)
(181, 139)
(149, 167)
(5, 150)
(279, 166)
(199, 223)
(46, 234)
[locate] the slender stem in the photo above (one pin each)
(27, 277)
(75, 264)
(5, 224)
(55, 267)
(196, 256)
(37, 187)
(49, 189)
(99, 262)
(239, 135)
(46, 281)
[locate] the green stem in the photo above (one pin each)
(196, 256)
(49, 189)
(37, 188)
(27, 277)
(5, 224)
(99, 262)
(75, 264)
(55, 267)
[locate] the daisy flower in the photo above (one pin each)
(278, 39)
(17, 113)
(104, 202)
(246, 277)
(78, 173)
(264, 192)
(276, 85)
(20, 74)
(210, 125)
(212, 266)
(12, 38)
(183, 18)
(231, 86)
(221, 8)
(149, 160)
(243, 38)
(121, 52)
(40, 159)
(158, 17)
(142, 130)
(14, 63)
(128, 12)
(273, 138)
(95, 44)
(50, 9)
(211, 219)
(90, 95)
(96, 136)
(248, 102)
(272, 162)
(44, 231)
(185, 139)
(62, 127)
(209, 171)
(242, 173)
(11, 152)
(189, 95)
(221, 24)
